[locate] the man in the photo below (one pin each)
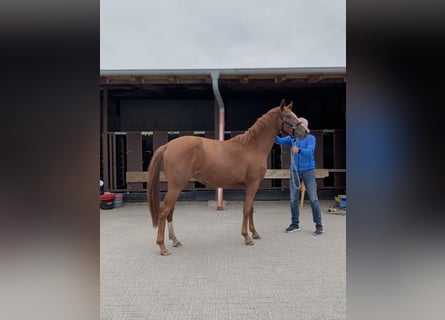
(302, 170)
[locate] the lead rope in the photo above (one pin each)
(292, 178)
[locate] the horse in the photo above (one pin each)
(238, 162)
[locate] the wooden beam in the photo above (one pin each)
(280, 79)
(243, 78)
(318, 77)
(315, 78)
(141, 176)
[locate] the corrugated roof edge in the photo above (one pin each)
(265, 71)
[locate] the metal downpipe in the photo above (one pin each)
(215, 75)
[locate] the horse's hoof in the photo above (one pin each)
(256, 236)
(165, 252)
(177, 244)
(249, 242)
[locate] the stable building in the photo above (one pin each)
(143, 109)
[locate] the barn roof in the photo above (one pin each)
(147, 82)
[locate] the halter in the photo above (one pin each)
(292, 125)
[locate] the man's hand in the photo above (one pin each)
(295, 149)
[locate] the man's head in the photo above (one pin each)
(304, 123)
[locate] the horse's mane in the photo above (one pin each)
(259, 125)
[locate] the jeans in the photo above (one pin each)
(308, 177)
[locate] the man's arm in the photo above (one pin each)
(309, 150)
(285, 140)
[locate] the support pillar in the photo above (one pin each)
(105, 139)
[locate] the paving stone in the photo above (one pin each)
(214, 275)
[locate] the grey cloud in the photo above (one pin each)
(204, 34)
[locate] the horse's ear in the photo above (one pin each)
(291, 104)
(283, 103)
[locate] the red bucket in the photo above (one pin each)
(106, 201)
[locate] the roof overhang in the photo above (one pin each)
(169, 76)
(169, 82)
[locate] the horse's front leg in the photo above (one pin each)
(252, 229)
(248, 214)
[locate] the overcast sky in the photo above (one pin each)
(184, 34)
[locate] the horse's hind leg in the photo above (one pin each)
(166, 207)
(171, 231)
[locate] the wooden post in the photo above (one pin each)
(318, 153)
(134, 157)
(105, 139)
(339, 158)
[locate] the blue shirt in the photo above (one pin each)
(303, 160)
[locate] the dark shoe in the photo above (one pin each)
(318, 230)
(293, 228)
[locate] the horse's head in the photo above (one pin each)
(291, 124)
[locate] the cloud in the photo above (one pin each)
(176, 34)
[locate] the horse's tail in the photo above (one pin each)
(153, 184)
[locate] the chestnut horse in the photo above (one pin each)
(240, 161)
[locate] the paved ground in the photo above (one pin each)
(214, 275)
